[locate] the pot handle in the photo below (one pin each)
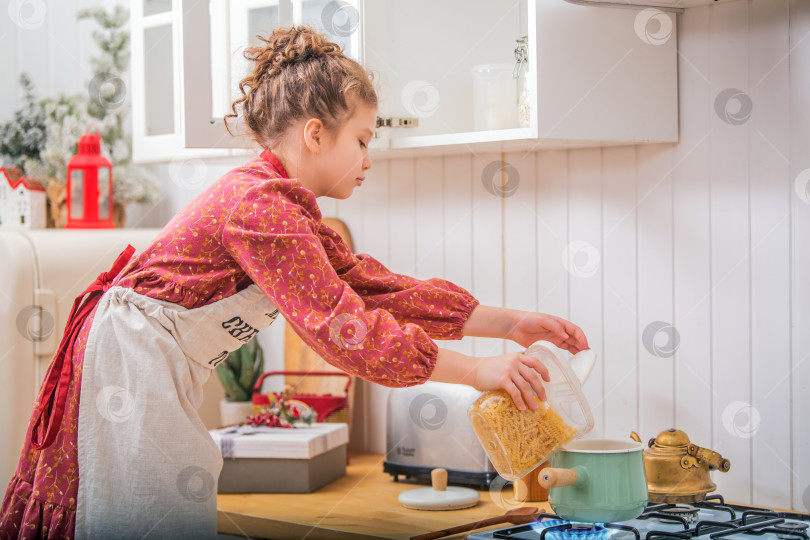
(551, 477)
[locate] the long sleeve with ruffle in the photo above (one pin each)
(273, 234)
(440, 307)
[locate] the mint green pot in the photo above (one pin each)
(597, 481)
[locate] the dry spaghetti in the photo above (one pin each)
(517, 441)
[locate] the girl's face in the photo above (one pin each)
(340, 163)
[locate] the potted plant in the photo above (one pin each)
(238, 374)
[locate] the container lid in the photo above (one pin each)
(439, 496)
(427, 498)
(564, 392)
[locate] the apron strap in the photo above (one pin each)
(52, 397)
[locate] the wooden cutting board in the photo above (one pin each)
(299, 357)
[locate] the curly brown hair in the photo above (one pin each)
(298, 74)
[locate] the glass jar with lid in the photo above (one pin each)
(516, 441)
(521, 74)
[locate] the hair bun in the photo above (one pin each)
(298, 73)
(295, 45)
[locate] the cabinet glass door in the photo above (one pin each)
(450, 65)
(158, 83)
(229, 28)
(156, 105)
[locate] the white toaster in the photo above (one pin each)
(427, 427)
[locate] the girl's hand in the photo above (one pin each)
(531, 327)
(517, 373)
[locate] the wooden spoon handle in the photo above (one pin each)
(516, 519)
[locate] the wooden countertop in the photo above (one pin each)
(362, 504)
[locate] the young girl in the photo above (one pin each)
(115, 448)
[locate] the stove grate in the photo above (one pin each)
(709, 504)
(750, 529)
(783, 534)
(557, 529)
(751, 522)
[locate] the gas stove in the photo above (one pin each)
(707, 520)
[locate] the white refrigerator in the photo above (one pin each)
(41, 273)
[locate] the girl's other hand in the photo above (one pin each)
(517, 373)
(532, 327)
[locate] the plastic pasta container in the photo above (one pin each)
(516, 441)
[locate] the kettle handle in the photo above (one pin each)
(713, 459)
(551, 477)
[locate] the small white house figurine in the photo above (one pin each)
(22, 201)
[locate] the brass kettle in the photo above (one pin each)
(677, 470)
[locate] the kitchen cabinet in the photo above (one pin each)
(677, 5)
(593, 79)
(157, 104)
(186, 68)
(595, 76)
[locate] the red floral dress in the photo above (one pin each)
(255, 225)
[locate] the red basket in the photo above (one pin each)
(327, 407)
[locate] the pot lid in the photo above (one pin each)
(439, 496)
(672, 437)
(564, 391)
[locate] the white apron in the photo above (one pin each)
(147, 466)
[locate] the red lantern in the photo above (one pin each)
(89, 187)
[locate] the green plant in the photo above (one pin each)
(239, 372)
(43, 135)
(22, 138)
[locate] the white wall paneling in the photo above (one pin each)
(730, 238)
(487, 249)
(518, 182)
(584, 263)
(402, 216)
(655, 308)
(799, 65)
(430, 237)
(770, 193)
(552, 232)
(691, 242)
(620, 340)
